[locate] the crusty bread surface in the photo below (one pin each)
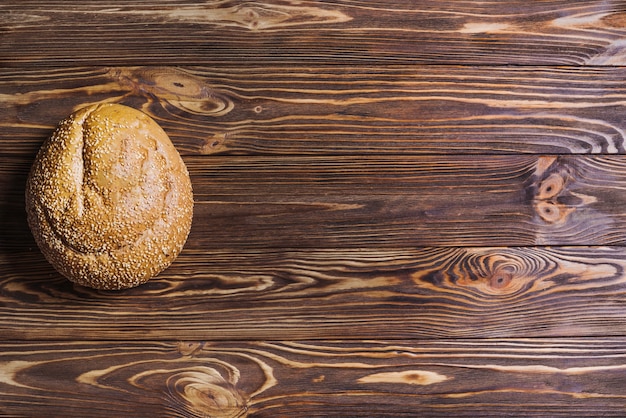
(109, 198)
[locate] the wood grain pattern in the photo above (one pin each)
(407, 202)
(289, 32)
(335, 110)
(384, 202)
(562, 377)
(267, 295)
(403, 208)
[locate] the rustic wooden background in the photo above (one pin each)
(403, 208)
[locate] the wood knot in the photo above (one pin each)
(495, 272)
(407, 377)
(259, 16)
(214, 144)
(552, 186)
(187, 348)
(203, 391)
(251, 18)
(552, 212)
(500, 280)
(164, 82)
(181, 89)
(550, 190)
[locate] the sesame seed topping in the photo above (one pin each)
(97, 195)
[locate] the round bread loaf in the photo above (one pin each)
(109, 198)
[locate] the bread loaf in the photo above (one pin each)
(109, 199)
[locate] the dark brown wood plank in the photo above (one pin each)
(560, 377)
(383, 202)
(557, 32)
(335, 110)
(422, 293)
(403, 208)
(408, 202)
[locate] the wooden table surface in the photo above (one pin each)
(402, 208)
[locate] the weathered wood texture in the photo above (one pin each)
(288, 32)
(384, 202)
(333, 110)
(561, 377)
(426, 293)
(403, 208)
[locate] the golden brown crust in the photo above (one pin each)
(109, 199)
